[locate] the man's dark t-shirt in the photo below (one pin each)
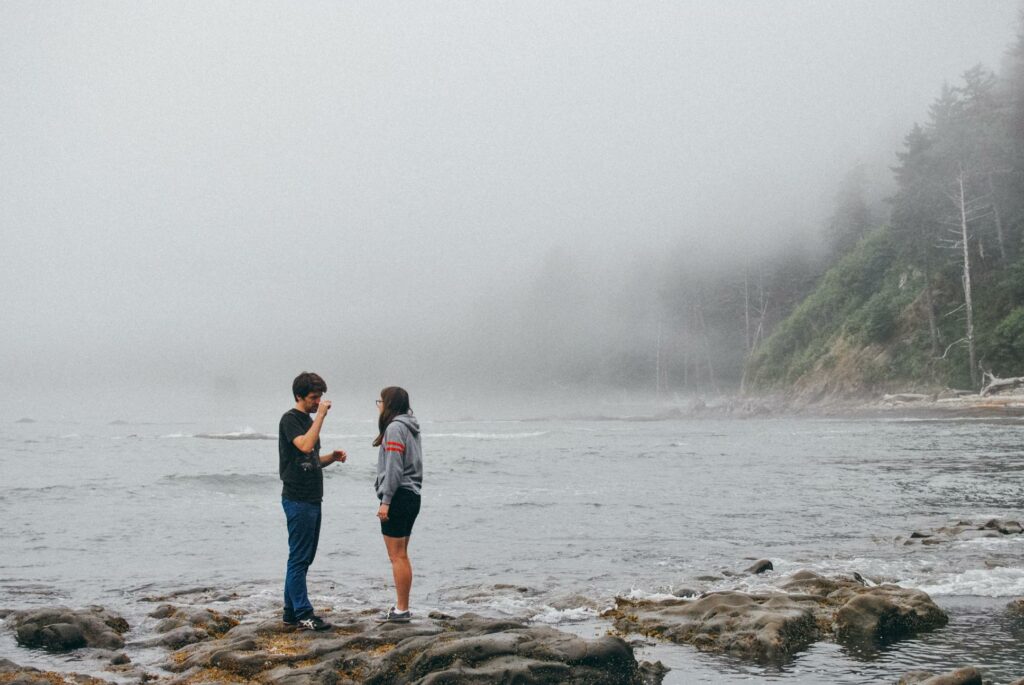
(302, 475)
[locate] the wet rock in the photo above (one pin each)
(767, 627)
(179, 637)
(120, 659)
(979, 534)
(1005, 527)
(163, 611)
(1016, 608)
(886, 613)
(772, 626)
(867, 582)
(13, 674)
(685, 592)
(55, 636)
(180, 626)
(574, 601)
(966, 530)
(809, 582)
(759, 567)
(62, 629)
(961, 676)
(464, 649)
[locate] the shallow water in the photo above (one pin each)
(547, 520)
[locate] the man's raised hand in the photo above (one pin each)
(321, 411)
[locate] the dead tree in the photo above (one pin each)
(758, 336)
(993, 384)
(968, 209)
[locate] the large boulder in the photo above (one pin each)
(466, 649)
(884, 614)
(760, 566)
(961, 676)
(63, 629)
(772, 626)
(759, 626)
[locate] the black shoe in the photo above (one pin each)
(393, 615)
(289, 619)
(313, 623)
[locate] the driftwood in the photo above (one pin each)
(906, 397)
(994, 384)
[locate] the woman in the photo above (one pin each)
(399, 477)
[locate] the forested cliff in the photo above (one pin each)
(934, 295)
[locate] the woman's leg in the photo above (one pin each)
(401, 569)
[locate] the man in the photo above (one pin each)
(300, 465)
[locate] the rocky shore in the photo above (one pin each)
(205, 646)
(197, 644)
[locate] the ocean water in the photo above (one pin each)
(546, 520)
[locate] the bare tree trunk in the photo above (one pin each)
(657, 364)
(686, 367)
(929, 303)
(707, 343)
(746, 307)
(968, 301)
(753, 345)
(998, 217)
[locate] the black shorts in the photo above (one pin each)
(405, 507)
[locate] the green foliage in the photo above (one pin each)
(1005, 351)
(837, 305)
(875, 321)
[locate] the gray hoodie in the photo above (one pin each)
(400, 460)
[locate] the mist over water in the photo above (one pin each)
(468, 194)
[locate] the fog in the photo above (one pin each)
(209, 198)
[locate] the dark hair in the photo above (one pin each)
(306, 383)
(396, 402)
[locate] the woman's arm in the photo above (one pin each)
(394, 461)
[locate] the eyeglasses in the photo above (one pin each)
(379, 402)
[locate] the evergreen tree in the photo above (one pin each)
(852, 218)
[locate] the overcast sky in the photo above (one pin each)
(246, 189)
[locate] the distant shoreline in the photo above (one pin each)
(897, 405)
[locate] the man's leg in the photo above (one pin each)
(401, 569)
(303, 535)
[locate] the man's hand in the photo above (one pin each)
(382, 513)
(321, 411)
(339, 455)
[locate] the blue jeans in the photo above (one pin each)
(303, 536)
